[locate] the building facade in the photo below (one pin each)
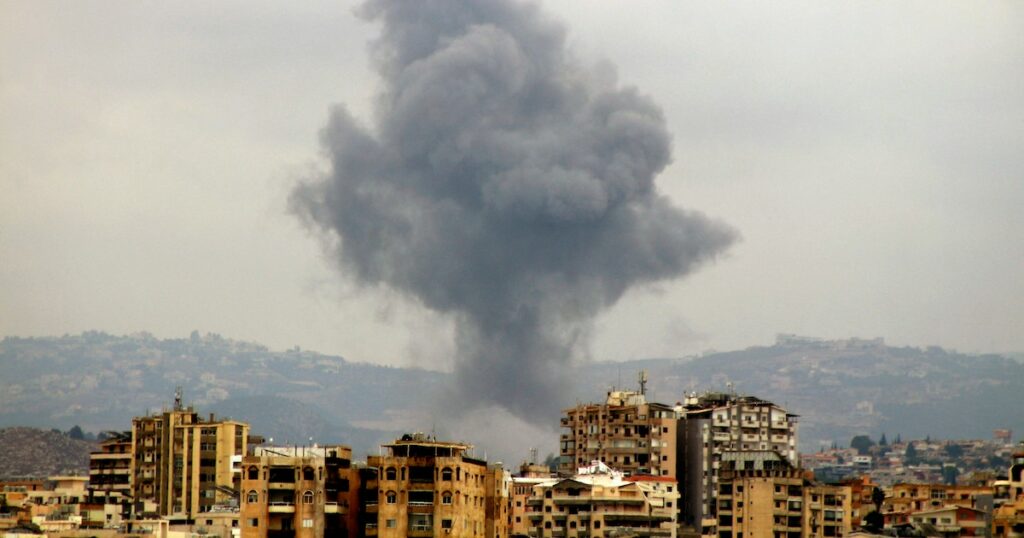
(110, 470)
(601, 502)
(299, 492)
(183, 464)
(715, 424)
(427, 488)
(625, 432)
(779, 502)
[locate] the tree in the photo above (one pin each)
(877, 497)
(76, 432)
(910, 456)
(874, 522)
(862, 443)
(898, 440)
(954, 451)
(882, 441)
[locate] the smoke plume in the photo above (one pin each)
(504, 184)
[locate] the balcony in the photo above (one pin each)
(335, 508)
(281, 507)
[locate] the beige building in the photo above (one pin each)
(299, 492)
(426, 488)
(715, 424)
(625, 432)
(600, 502)
(530, 475)
(183, 464)
(760, 495)
(110, 470)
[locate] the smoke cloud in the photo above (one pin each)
(502, 183)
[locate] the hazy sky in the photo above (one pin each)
(871, 155)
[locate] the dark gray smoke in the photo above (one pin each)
(504, 184)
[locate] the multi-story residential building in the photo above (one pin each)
(761, 495)
(718, 423)
(903, 500)
(183, 464)
(530, 475)
(601, 502)
(953, 520)
(110, 470)
(426, 488)
(497, 516)
(299, 492)
(625, 432)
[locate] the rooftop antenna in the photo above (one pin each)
(643, 382)
(177, 398)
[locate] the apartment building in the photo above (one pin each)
(530, 475)
(714, 424)
(601, 502)
(498, 499)
(110, 470)
(903, 500)
(625, 432)
(299, 492)
(183, 464)
(427, 488)
(761, 495)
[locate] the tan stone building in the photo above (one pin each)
(625, 432)
(771, 499)
(426, 488)
(715, 424)
(299, 492)
(184, 464)
(601, 502)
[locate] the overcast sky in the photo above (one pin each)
(871, 155)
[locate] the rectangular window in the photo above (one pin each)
(392, 523)
(307, 523)
(254, 522)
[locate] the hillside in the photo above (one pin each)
(35, 453)
(840, 389)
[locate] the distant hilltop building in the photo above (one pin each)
(793, 340)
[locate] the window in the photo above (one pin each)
(252, 497)
(307, 497)
(446, 523)
(446, 473)
(254, 473)
(390, 474)
(307, 474)
(446, 498)
(254, 522)
(391, 497)
(391, 523)
(307, 523)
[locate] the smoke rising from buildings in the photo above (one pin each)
(504, 184)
